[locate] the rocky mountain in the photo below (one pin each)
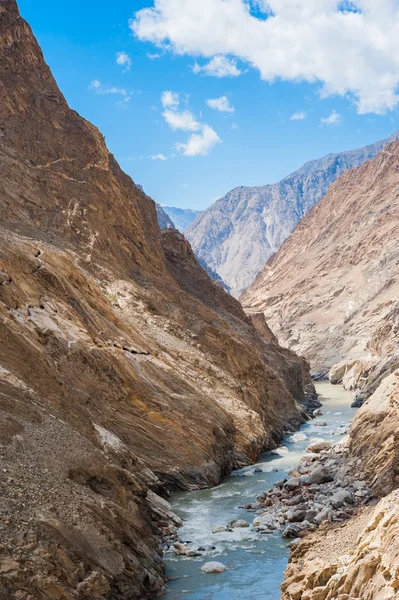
(181, 217)
(238, 233)
(124, 370)
(164, 220)
(331, 292)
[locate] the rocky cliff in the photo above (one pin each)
(359, 559)
(239, 232)
(164, 220)
(124, 371)
(331, 292)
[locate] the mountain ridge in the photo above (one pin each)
(238, 233)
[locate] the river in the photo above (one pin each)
(255, 562)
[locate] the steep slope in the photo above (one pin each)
(164, 220)
(181, 217)
(120, 375)
(239, 232)
(331, 292)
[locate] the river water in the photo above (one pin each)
(255, 562)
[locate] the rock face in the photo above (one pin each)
(164, 221)
(124, 370)
(331, 292)
(238, 233)
(181, 217)
(358, 559)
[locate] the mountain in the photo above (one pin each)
(331, 292)
(238, 233)
(164, 221)
(125, 372)
(181, 217)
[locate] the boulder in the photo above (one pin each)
(238, 524)
(317, 447)
(213, 567)
(320, 475)
(340, 498)
(324, 515)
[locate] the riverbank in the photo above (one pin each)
(255, 561)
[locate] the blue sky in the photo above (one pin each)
(256, 144)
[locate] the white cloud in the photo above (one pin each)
(157, 157)
(200, 144)
(298, 116)
(222, 104)
(218, 66)
(123, 60)
(153, 55)
(349, 48)
(334, 119)
(169, 98)
(184, 120)
(102, 89)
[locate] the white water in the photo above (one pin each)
(255, 562)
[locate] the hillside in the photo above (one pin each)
(331, 292)
(125, 372)
(238, 233)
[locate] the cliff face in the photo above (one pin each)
(331, 291)
(238, 233)
(123, 369)
(359, 559)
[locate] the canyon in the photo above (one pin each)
(125, 371)
(330, 293)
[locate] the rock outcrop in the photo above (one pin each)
(331, 292)
(239, 232)
(124, 371)
(164, 220)
(358, 559)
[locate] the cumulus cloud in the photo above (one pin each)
(170, 99)
(184, 120)
(349, 47)
(298, 116)
(200, 144)
(158, 157)
(334, 119)
(219, 66)
(123, 60)
(222, 104)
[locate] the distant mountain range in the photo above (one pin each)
(164, 220)
(238, 233)
(181, 217)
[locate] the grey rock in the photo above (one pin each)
(340, 498)
(239, 232)
(320, 475)
(324, 515)
(292, 483)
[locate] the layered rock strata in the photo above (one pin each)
(331, 292)
(124, 371)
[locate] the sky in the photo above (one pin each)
(197, 97)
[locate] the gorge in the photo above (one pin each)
(127, 374)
